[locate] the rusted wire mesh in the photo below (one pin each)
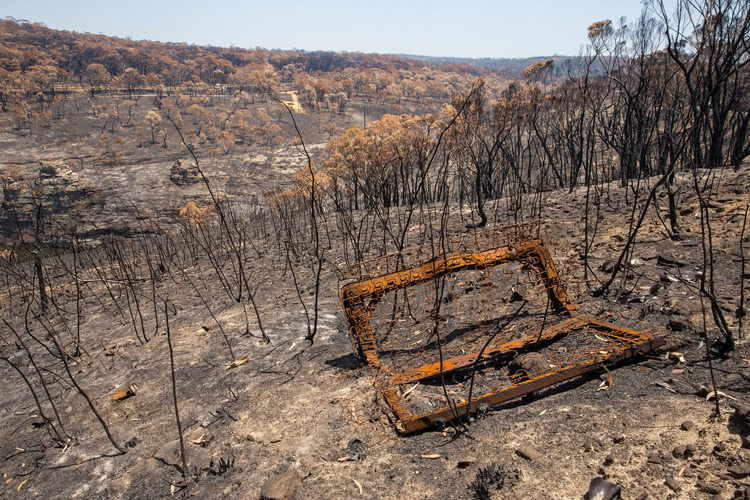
(483, 320)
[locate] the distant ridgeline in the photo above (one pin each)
(508, 67)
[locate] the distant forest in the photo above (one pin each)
(33, 56)
(509, 67)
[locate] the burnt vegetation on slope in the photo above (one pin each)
(647, 131)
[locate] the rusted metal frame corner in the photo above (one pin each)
(354, 295)
(408, 423)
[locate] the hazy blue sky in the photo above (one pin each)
(499, 28)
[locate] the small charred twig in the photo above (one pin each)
(42, 381)
(174, 391)
(154, 277)
(130, 290)
(168, 464)
(80, 390)
(210, 312)
(43, 299)
(78, 294)
(635, 226)
(544, 320)
(48, 422)
(34, 337)
(310, 333)
(742, 310)
(707, 277)
(717, 410)
(318, 250)
(236, 247)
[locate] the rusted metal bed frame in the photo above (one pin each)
(569, 342)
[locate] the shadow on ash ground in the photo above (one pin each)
(311, 408)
